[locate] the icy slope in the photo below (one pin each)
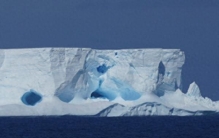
(84, 81)
(149, 109)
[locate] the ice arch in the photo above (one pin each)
(31, 98)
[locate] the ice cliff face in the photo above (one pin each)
(44, 77)
(118, 73)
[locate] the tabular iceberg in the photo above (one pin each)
(84, 81)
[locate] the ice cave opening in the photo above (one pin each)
(31, 98)
(95, 94)
(161, 68)
(104, 94)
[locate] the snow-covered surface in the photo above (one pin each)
(84, 81)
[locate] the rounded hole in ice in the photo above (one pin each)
(31, 98)
(102, 69)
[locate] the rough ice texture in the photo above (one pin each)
(84, 81)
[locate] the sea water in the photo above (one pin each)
(114, 127)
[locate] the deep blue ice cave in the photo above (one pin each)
(31, 98)
(104, 94)
(96, 94)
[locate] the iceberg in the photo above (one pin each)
(85, 81)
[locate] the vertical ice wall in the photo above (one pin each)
(22, 70)
(129, 73)
(81, 73)
(169, 78)
(67, 66)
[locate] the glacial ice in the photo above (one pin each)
(84, 81)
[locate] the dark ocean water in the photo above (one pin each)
(116, 127)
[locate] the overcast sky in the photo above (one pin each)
(190, 25)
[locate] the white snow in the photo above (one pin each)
(84, 81)
(194, 90)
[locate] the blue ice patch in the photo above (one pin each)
(104, 93)
(102, 69)
(31, 98)
(125, 91)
